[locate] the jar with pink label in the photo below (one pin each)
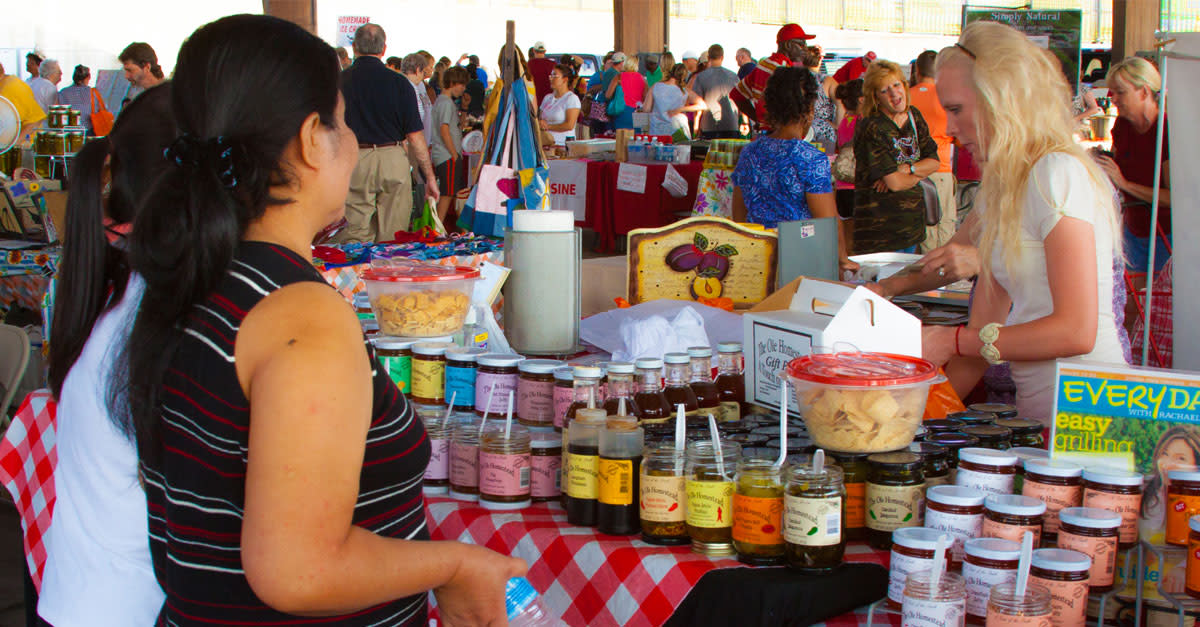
(912, 550)
(564, 394)
(1009, 516)
(437, 472)
(924, 604)
(535, 392)
(545, 465)
(505, 475)
(494, 379)
(464, 461)
(1116, 491)
(1056, 483)
(1006, 608)
(986, 470)
(1092, 532)
(1065, 574)
(957, 512)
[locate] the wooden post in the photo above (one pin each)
(302, 12)
(1134, 25)
(640, 25)
(508, 65)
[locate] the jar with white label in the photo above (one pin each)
(1065, 574)
(1009, 516)
(814, 507)
(912, 551)
(987, 470)
(987, 562)
(924, 605)
(1007, 608)
(1092, 532)
(957, 512)
(1116, 491)
(504, 473)
(1058, 484)
(895, 495)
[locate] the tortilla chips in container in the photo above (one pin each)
(420, 300)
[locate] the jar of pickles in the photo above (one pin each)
(814, 506)
(664, 495)
(710, 490)
(75, 139)
(894, 495)
(854, 479)
(1024, 432)
(758, 502)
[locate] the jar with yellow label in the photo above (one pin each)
(1183, 502)
(429, 372)
(620, 455)
(664, 495)
(758, 512)
(1116, 491)
(710, 489)
(583, 469)
(814, 508)
(894, 495)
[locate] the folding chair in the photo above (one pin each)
(14, 357)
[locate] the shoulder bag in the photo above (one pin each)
(933, 205)
(102, 118)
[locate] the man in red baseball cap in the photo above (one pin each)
(748, 93)
(854, 69)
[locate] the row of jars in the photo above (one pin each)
(57, 142)
(62, 116)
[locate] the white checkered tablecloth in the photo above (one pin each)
(597, 580)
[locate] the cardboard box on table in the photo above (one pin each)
(810, 315)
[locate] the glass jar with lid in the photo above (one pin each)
(1058, 484)
(925, 604)
(1065, 574)
(1009, 516)
(854, 480)
(429, 372)
(894, 495)
(986, 469)
(913, 549)
(75, 140)
(1024, 454)
(464, 460)
(1116, 491)
(461, 370)
(395, 355)
(535, 392)
(1192, 569)
(1024, 432)
(957, 512)
(676, 389)
(987, 563)
(999, 410)
(495, 379)
(620, 375)
(440, 431)
(814, 508)
(586, 390)
(564, 394)
(504, 467)
(545, 465)
(944, 425)
(935, 462)
(1092, 532)
(973, 418)
(1007, 607)
(758, 505)
(664, 495)
(1183, 502)
(582, 490)
(991, 436)
(710, 488)
(731, 380)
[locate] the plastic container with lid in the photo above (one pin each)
(1092, 532)
(924, 605)
(1192, 579)
(535, 392)
(854, 479)
(395, 355)
(894, 496)
(1058, 484)
(1007, 608)
(1117, 491)
(935, 462)
(710, 496)
(972, 418)
(991, 436)
(429, 372)
(1009, 516)
(504, 467)
(494, 379)
(1000, 410)
(862, 402)
(986, 469)
(420, 300)
(545, 465)
(813, 512)
(1025, 432)
(1183, 502)
(461, 370)
(957, 512)
(1064, 573)
(564, 393)
(987, 562)
(664, 495)
(464, 461)
(912, 551)
(620, 456)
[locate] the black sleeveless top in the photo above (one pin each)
(196, 498)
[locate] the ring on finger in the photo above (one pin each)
(941, 272)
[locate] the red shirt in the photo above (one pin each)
(748, 95)
(540, 70)
(1134, 154)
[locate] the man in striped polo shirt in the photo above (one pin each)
(748, 95)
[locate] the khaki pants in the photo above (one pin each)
(938, 235)
(380, 200)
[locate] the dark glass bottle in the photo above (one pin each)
(731, 382)
(677, 390)
(708, 398)
(652, 404)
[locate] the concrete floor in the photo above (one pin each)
(12, 589)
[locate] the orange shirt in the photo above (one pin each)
(924, 97)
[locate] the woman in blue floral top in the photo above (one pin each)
(780, 177)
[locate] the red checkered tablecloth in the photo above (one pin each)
(598, 580)
(27, 460)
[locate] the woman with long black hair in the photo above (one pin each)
(282, 466)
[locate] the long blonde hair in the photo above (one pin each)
(1024, 113)
(879, 73)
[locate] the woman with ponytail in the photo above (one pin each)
(98, 570)
(282, 466)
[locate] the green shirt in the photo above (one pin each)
(653, 77)
(888, 221)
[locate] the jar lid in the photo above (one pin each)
(677, 358)
(1183, 475)
(896, 460)
(945, 424)
(1061, 560)
(997, 549)
(861, 369)
(499, 360)
(973, 417)
(917, 538)
(987, 457)
(1022, 426)
(1015, 505)
(649, 363)
(419, 273)
(1194, 523)
(928, 449)
(1053, 468)
(955, 495)
(390, 343)
(847, 456)
(431, 348)
(988, 432)
(729, 347)
(1113, 476)
(1090, 517)
(588, 372)
(1001, 410)
(1026, 453)
(545, 440)
(370, 324)
(539, 366)
(953, 439)
(695, 352)
(463, 353)
(621, 367)
(564, 373)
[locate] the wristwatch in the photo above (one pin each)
(988, 335)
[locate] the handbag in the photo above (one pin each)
(933, 206)
(102, 118)
(843, 164)
(617, 105)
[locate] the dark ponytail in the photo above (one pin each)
(242, 88)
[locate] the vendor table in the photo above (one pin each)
(597, 580)
(25, 275)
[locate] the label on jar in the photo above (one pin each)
(663, 499)
(546, 476)
(730, 411)
(616, 481)
(993, 529)
(503, 475)
(428, 379)
(812, 521)
(709, 504)
(1127, 505)
(485, 383)
(1056, 498)
(892, 507)
(1001, 619)
(583, 476)
(1068, 601)
(856, 505)
(460, 384)
(758, 520)
(439, 460)
(901, 566)
(1103, 552)
(992, 483)
(980, 581)
(535, 400)
(464, 465)
(1192, 578)
(1180, 508)
(400, 371)
(925, 613)
(563, 397)
(960, 527)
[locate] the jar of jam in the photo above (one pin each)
(731, 380)
(758, 510)
(710, 490)
(1183, 502)
(987, 563)
(1058, 484)
(535, 392)
(1024, 454)
(1064, 573)
(677, 390)
(429, 372)
(986, 470)
(583, 468)
(504, 473)
(1007, 607)
(1009, 516)
(814, 508)
(945, 425)
(495, 378)
(991, 436)
(973, 418)
(545, 466)
(620, 375)
(935, 462)
(586, 391)
(894, 495)
(926, 605)
(954, 441)
(1192, 577)
(620, 455)
(854, 479)
(664, 496)
(437, 473)
(564, 394)
(1116, 491)
(1092, 532)
(461, 371)
(464, 461)
(999, 410)
(912, 551)
(700, 379)
(1024, 432)
(650, 400)
(395, 355)
(957, 512)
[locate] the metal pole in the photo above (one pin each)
(1150, 274)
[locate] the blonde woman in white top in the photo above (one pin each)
(1048, 230)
